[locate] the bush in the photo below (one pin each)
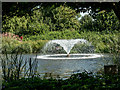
(25, 25)
(102, 41)
(67, 34)
(9, 42)
(12, 45)
(38, 45)
(16, 25)
(76, 81)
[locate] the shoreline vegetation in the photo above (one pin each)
(103, 42)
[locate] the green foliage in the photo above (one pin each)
(16, 25)
(9, 44)
(65, 18)
(36, 23)
(53, 35)
(76, 81)
(67, 34)
(25, 25)
(106, 21)
(86, 23)
(102, 41)
(61, 23)
(13, 46)
(37, 45)
(58, 19)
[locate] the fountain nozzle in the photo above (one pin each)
(68, 55)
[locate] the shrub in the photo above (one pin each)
(103, 42)
(9, 42)
(25, 25)
(37, 45)
(67, 34)
(11, 36)
(16, 25)
(25, 47)
(76, 81)
(53, 35)
(10, 45)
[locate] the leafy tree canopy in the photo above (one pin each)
(21, 8)
(40, 21)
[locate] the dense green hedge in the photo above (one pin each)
(80, 81)
(102, 41)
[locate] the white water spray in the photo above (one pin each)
(66, 44)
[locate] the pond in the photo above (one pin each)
(64, 68)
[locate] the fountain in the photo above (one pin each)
(60, 50)
(65, 57)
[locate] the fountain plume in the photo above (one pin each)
(67, 45)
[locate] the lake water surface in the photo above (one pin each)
(65, 68)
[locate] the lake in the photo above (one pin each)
(64, 68)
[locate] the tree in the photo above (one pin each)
(21, 8)
(86, 19)
(96, 7)
(59, 18)
(86, 22)
(17, 8)
(107, 21)
(65, 18)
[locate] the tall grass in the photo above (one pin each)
(15, 66)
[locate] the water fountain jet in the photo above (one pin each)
(55, 46)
